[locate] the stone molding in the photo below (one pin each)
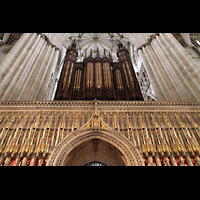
(76, 105)
(48, 41)
(150, 38)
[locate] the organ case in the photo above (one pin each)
(98, 77)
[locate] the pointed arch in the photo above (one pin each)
(119, 141)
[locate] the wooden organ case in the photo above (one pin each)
(98, 77)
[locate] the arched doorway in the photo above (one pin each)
(93, 152)
(114, 149)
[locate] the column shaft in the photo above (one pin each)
(40, 73)
(13, 53)
(151, 75)
(26, 86)
(165, 72)
(25, 71)
(181, 87)
(51, 69)
(9, 79)
(191, 78)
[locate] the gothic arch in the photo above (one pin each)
(70, 142)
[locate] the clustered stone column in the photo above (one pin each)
(27, 69)
(173, 73)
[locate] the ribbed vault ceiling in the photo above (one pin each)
(87, 41)
(136, 38)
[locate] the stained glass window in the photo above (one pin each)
(95, 163)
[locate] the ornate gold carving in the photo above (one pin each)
(14, 143)
(147, 145)
(115, 122)
(162, 145)
(43, 144)
(190, 142)
(103, 126)
(178, 147)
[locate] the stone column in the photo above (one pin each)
(13, 53)
(47, 78)
(151, 75)
(29, 92)
(130, 50)
(158, 71)
(181, 87)
(185, 56)
(58, 72)
(27, 85)
(156, 74)
(165, 71)
(42, 68)
(15, 68)
(34, 50)
(185, 66)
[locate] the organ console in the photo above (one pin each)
(98, 77)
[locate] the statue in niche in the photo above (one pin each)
(40, 162)
(197, 160)
(181, 160)
(166, 161)
(150, 162)
(24, 161)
